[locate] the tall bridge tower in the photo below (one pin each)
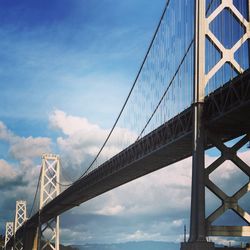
(200, 226)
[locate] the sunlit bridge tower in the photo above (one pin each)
(20, 218)
(9, 230)
(49, 189)
(200, 226)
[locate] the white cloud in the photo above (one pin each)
(7, 171)
(75, 236)
(5, 134)
(71, 125)
(24, 148)
(177, 223)
(111, 210)
(140, 235)
(82, 139)
(224, 241)
(28, 148)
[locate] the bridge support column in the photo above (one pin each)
(9, 230)
(197, 237)
(48, 233)
(30, 239)
(20, 218)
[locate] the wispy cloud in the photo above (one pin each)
(81, 139)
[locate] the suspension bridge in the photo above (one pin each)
(191, 93)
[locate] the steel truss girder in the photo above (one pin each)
(227, 54)
(50, 188)
(236, 95)
(228, 202)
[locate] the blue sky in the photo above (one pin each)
(60, 54)
(66, 67)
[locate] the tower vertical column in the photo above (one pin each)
(9, 230)
(20, 218)
(197, 237)
(49, 189)
(197, 227)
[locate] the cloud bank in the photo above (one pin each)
(153, 207)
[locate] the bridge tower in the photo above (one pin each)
(200, 226)
(20, 218)
(49, 189)
(9, 230)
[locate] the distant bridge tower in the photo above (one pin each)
(20, 218)
(9, 230)
(49, 189)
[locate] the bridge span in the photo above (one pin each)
(226, 114)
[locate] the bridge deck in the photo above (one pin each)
(226, 112)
